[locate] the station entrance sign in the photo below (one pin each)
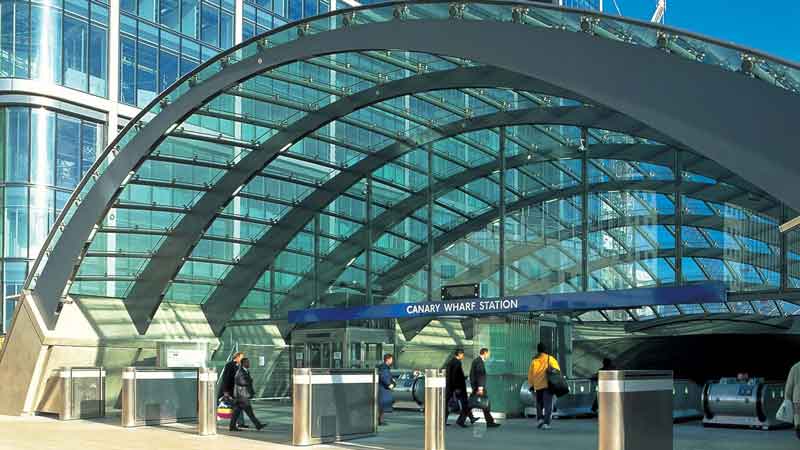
(706, 292)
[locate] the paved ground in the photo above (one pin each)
(403, 433)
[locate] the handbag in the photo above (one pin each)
(454, 404)
(479, 401)
(224, 410)
(555, 380)
(785, 412)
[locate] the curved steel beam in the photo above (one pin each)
(148, 291)
(227, 297)
(756, 143)
(237, 283)
(235, 286)
(336, 262)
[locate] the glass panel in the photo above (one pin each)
(16, 222)
(189, 13)
(42, 146)
(76, 50)
(14, 273)
(98, 61)
(168, 71)
(128, 70)
(45, 52)
(146, 85)
(68, 151)
(42, 214)
(210, 25)
(226, 30)
(17, 144)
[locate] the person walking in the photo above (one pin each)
(792, 393)
(537, 378)
(477, 377)
(386, 385)
(456, 388)
(228, 382)
(242, 393)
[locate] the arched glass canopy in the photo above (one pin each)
(373, 155)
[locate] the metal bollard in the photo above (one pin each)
(207, 402)
(129, 397)
(301, 406)
(434, 409)
(635, 410)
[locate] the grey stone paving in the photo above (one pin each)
(404, 432)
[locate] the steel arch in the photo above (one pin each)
(662, 93)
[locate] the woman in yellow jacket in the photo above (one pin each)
(537, 378)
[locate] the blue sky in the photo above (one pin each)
(769, 26)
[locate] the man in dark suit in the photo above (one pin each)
(242, 393)
(477, 377)
(228, 382)
(457, 388)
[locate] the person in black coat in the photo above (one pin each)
(242, 393)
(228, 375)
(477, 377)
(456, 388)
(228, 382)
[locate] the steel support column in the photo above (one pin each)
(370, 240)
(317, 259)
(585, 210)
(501, 155)
(785, 251)
(679, 212)
(429, 201)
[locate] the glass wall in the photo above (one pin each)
(44, 154)
(161, 40)
(62, 42)
(263, 15)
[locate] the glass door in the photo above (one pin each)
(319, 355)
(356, 358)
(374, 355)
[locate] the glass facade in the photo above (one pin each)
(66, 43)
(162, 40)
(60, 42)
(261, 16)
(516, 209)
(534, 209)
(44, 153)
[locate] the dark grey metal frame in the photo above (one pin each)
(233, 289)
(663, 92)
